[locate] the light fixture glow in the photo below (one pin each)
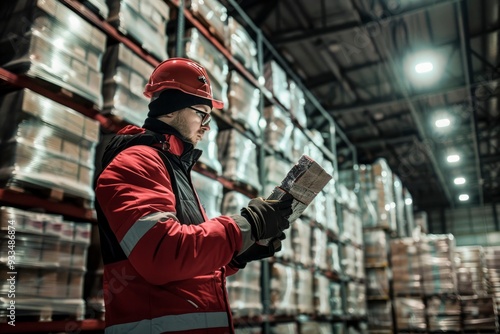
(463, 197)
(441, 123)
(408, 201)
(424, 67)
(453, 158)
(459, 180)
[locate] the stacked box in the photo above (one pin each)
(299, 142)
(376, 245)
(479, 314)
(301, 242)
(232, 202)
(210, 156)
(209, 192)
(276, 170)
(278, 131)
(492, 262)
(97, 6)
(348, 260)
(283, 289)
(125, 76)
(285, 328)
(305, 291)
(322, 305)
(437, 254)
(241, 45)
(336, 298)
(276, 83)
(406, 267)
(355, 299)
(45, 39)
(333, 258)
(471, 271)
(297, 104)
(145, 21)
(377, 282)
(212, 13)
(46, 145)
(443, 313)
(238, 157)
(380, 316)
(244, 100)
(203, 51)
(244, 291)
(312, 327)
(410, 313)
(319, 248)
(287, 253)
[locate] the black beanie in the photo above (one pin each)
(171, 100)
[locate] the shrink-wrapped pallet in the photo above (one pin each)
(233, 201)
(355, 299)
(313, 327)
(278, 131)
(444, 313)
(244, 99)
(377, 282)
(471, 271)
(283, 289)
(297, 104)
(241, 45)
(406, 267)
(46, 146)
(492, 262)
(276, 170)
(210, 149)
(244, 291)
(408, 212)
(301, 234)
(333, 257)
(213, 15)
(479, 314)
(204, 52)
(209, 192)
(125, 76)
(336, 298)
(45, 39)
(399, 211)
(285, 328)
(348, 260)
(437, 252)
(379, 315)
(287, 251)
(305, 291)
(145, 21)
(319, 248)
(322, 306)
(238, 157)
(277, 83)
(410, 313)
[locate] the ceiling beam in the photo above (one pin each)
(300, 35)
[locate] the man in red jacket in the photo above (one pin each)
(165, 261)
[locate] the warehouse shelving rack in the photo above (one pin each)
(11, 81)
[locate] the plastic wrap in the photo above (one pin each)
(244, 291)
(322, 304)
(348, 259)
(45, 144)
(376, 247)
(201, 50)
(45, 39)
(244, 100)
(410, 313)
(241, 45)
(299, 142)
(319, 248)
(125, 76)
(213, 14)
(208, 145)
(380, 315)
(238, 157)
(287, 252)
(437, 252)
(305, 291)
(444, 313)
(143, 20)
(336, 298)
(277, 83)
(332, 257)
(275, 170)
(283, 290)
(301, 232)
(406, 267)
(210, 193)
(377, 282)
(297, 104)
(278, 131)
(471, 271)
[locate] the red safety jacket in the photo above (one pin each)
(164, 261)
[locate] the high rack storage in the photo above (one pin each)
(70, 66)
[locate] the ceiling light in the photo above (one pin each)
(408, 201)
(463, 197)
(441, 123)
(453, 158)
(424, 67)
(459, 180)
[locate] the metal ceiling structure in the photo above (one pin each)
(353, 56)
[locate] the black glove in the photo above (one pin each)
(258, 252)
(268, 218)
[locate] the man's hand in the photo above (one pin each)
(268, 218)
(258, 252)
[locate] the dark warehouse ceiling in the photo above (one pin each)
(353, 56)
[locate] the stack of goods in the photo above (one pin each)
(238, 157)
(97, 6)
(145, 21)
(348, 260)
(297, 104)
(319, 248)
(400, 207)
(301, 232)
(322, 305)
(410, 313)
(380, 317)
(312, 327)
(376, 248)
(479, 314)
(492, 262)
(125, 76)
(284, 290)
(355, 299)
(49, 264)
(278, 131)
(408, 212)
(244, 100)
(336, 298)
(277, 83)
(471, 271)
(244, 291)
(406, 267)
(299, 142)
(333, 258)
(437, 254)
(46, 146)
(329, 190)
(212, 13)
(305, 291)
(242, 46)
(57, 46)
(377, 283)
(276, 170)
(286, 328)
(210, 156)
(201, 50)
(443, 313)
(209, 192)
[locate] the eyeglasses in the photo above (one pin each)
(205, 116)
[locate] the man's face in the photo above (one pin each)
(189, 122)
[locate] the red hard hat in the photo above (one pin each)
(182, 74)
